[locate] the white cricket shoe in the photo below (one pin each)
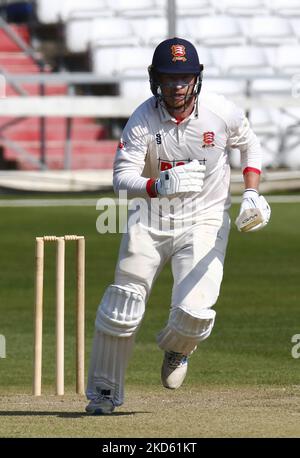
(174, 369)
(101, 405)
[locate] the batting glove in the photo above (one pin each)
(255, 212)
(183, 178)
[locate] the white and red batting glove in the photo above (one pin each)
(183, 178)
(255, 212)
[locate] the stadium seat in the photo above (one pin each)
(113, 31)
(264, 122)
(206, 58)
(182, 29)
(287, 59)
(271, 86)
(137, 89)
(295, 23)
(51, 12)
(17, 62)
(195, 8)
(135, 61)
(290, 118)
(288, 126)
(85, 154)
(3, 87)
(185, 29)
(7, 44)
(132, 8)
(245, 60)
(291, 145)
(271, 30)
(224, 86)
(216, 31)
(150, 31)
(289, 8)
(73, 6)
(78, 29)
(270, 156)
(121, 61)
(291, 155)
(242, 7)
(103, 60)
(124, 62)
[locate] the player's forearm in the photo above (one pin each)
(127, 176)
(251, 179)
(134, 184)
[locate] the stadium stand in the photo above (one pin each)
(249, 49)
(21, 138)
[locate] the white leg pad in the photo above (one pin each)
(118, 317)
(109, 359)
(120, 311)
(185, 329)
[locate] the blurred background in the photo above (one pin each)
(72, 72)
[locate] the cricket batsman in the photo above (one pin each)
(174, 157)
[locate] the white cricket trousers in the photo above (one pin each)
(197, 257)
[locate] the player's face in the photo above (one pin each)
(176, 89)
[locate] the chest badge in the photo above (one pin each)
(208, 139)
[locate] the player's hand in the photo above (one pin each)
(183, 178)
(254, 213)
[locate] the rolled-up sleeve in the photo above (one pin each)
(243, 138)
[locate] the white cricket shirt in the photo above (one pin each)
(153, 141)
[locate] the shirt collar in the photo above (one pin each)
(165, 115)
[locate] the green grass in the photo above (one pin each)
(257, 312)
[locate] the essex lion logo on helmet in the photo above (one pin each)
(178, 53)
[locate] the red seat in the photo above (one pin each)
(30, 131)
(34, 89)
(7, 44)
(15, 58)
(85, 155)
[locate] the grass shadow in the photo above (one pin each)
(24, 413)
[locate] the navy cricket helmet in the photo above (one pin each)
(175, 56)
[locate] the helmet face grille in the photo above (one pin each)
(154, 81)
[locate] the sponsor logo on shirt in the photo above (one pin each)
(158, 139)
(166, 165)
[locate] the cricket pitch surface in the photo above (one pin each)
(191, 412)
